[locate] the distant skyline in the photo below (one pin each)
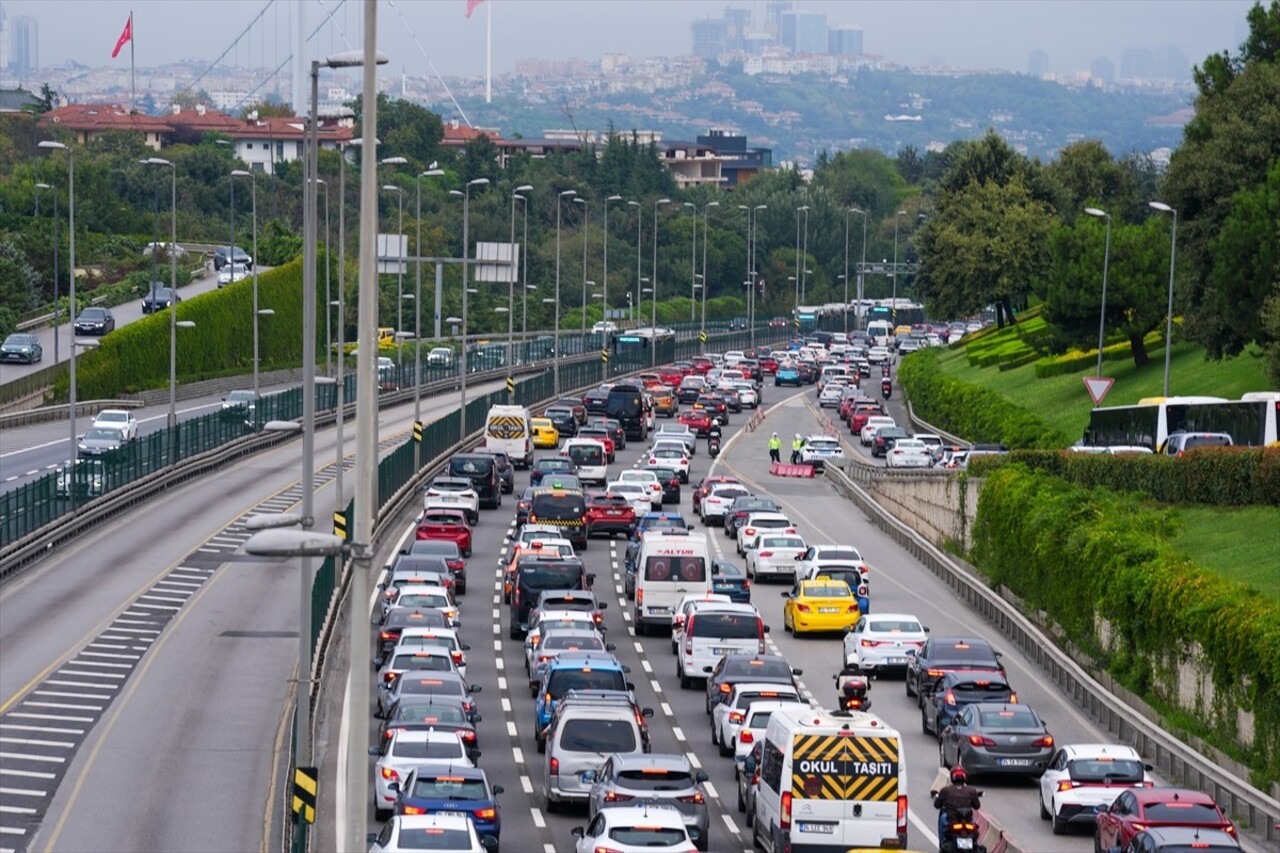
(966, 33)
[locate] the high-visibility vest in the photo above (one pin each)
(797, 443)
(775, 443)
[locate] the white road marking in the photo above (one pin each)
(666, 709)
(511, 728)
(538, 820)
(675, 730)
(693, 760)
(527, 784)
(657, 688)
(728, 822)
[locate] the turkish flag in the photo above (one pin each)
(471, 6)
(125, 36)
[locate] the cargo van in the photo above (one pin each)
(506, 428)
(670, 565)
(829, 781)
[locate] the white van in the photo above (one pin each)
(714, 631)
(880, 332)
(590, 457)
(830, 780)
(506, 428)
(671, 565)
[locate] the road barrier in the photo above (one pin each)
(1252, 808)
(783, 469)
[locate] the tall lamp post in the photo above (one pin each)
(328, 294)
(653, 323)
(241, 173)
(753, 217)
(693, 262)
(586, 222)
(417, 304)
(705, 208)
(857, 318)
(555, 346)
(393, 188)
(524, 266)
(604, 288)
(893, 304)
(511, 286)
(639, 244)
(466, 283)
(805, 210)
(1106, 259)
(1173, 251)
(56, 313)
(71, 308)
(804, 253)
(173, 281)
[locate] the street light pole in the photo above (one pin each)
(417, 309)
(241, 173)
(586, 223)
(1173, 251)
(328, 294)
(56, 247)
(466, 284)
(845, 312)
(555, 358)
(804, 267)
(693, 262)
(798, 256)
(604, 289)
(1106, 259)
(653, 323)
(705, 208)
(857, 318)
(639, 243)
(71, 307)
(524, 275)
(893, 303)
(511, 293)
(340, 390)
(173, 285)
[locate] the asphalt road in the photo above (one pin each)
(680, 724)
(124, 313)
(147, 674)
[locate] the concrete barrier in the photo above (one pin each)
(783, 469)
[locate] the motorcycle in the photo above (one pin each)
(852, 685)
(713, 442)
(886, 389)
(960, 834)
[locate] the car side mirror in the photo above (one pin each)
(373, 750)
(797, 672)
(766, 629)
(604, 605)
(591, 579)
(371, 837)
(706, 669)
(609, 647)
(647, 713)
(587, 776)
(911, 652)
(785, 594)
(1147, 767)
(701, 776)
(466, 647)
(474, 688)
(498, 789)
(631, 685)
(926, 630)
(1043, 765)
(577, 832)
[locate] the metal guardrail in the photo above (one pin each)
(1170, 756)
(60, 413)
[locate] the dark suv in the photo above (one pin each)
(238, 256)
(482, 470)
(941, 655)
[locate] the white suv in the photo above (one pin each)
(714, 631)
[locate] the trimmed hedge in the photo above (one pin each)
(1080, 553)
(1235, 476)
(1076, 360)
(971, 411)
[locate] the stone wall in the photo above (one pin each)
(939, 506)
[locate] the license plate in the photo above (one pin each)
(896, 660)
(1015, 762)
(448, 501)
(964, 843)
(723, 651)
(659, 610)
(819, 828)
(613, 512)
(828, 609)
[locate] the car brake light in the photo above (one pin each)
(950, 698)
(803, 608)
(388, 773)
(902, 815)
(726, 689)
(784, 815)
(488, 813)
(746, 736)
(979, 740)
(386, 635)
(735, 717)
(765, 554)
(750, 531)
(553, 767)
(615, 797)
(869, 644)
(1066, 785)
(1046, 741)
(691, 798)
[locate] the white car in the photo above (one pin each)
(406, 750)
(874, 423)
(413, 638)
(881, 641)
(450, 832)
(823, 556)
(933, 442)
(878, 355)
(1084, 777)
(713, 507)
(760, 523)
(453, 493)
(754, 723)
(646, 478)
(572, 622)
(686, 608)
(829, 396)
(669, 457)
(747, 393)
(734, 356)
(818, 450)
(678, 433)
(419, 659)
(232, 273)
(118, 419)
(423, 597)
(909, 453)
(727, 717)
(775, 556)
(634, 493)
(635, 829)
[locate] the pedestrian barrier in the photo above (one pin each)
(756, 419)
(782, 469)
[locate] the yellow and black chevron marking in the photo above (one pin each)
(304, 793)
(834, 767)
(340, 524)
(556, 522)
(511, 384)
(505, 426)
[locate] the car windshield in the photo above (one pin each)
(98, 433)
(451, 748)
(834, 590)
(557, 507)
(562, 681)
(781, 542)
(412, 661)
(586, 455)
(964, 653)
(540, 575)
(604, 736)
(764, 668)
(433, 838)
(113, 417)
(431, 685)
(1105, 770)
(451, 485)
(572, 644)
(655, 779)
(729, 570)
(1181, 812)
(442, 518)
(429, 713)
(728, 626)
(93, 314)
(449, 788)
(240, 397)
(423, 599)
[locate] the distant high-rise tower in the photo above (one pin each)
(773, 12)
(844, 39)
(1176, 65)
(24, 53)
(4, 39)
(804, 32)
(1038, 64)
(737, 26)
(1136, 63)
(1103, 69)
(708, 37)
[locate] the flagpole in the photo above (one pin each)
(133, 69)
(488, 52)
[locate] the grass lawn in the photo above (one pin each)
(1063, 402)
(1234, 543)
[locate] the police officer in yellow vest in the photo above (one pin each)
(796, 444)
(775, 445)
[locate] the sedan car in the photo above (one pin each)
(996, 739)
(788, 374)
(697, 419)
(232, 273)
(1081, 779)
(649, 480)
(120, 420)
(729, 579)
(550, 466)
(99, 440)
(941, 655)
(957, 690)
(454, 833)
(718, 500)
(821, 605)
(884, 439)
(635, 494)
(456, 790)
(634, 829)
(159, 298)
(95, 321)
(737, 667)
(239, 405)
(1176, 839)
(775, 556)
(652, 779)
(883, 642)
(818, 450)
(1146, 808)
(406, 751)
(21, 348)
(563, 419)
(447, 524)
(672, 458)
(87, 479)
(908, 453)
(870, 425)
(545, 434)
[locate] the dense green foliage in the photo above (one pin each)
(1228, 477)
(1084, 554)
(969, 410)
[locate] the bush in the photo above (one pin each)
(1079, 553)
(1238, 476)
(970, 411)
(1077, 360)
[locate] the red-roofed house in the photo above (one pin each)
(263, 142)
(88, 121)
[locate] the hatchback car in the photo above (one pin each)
(1150, 808)
(635, 829)
(21, 348)
(734, 668)
(121, 420)
(99, 440)
(819, 605)
(453, 833)
(453, 493)
(455, 790)
(447, 524)
(652, 779)
(406, 751)
(884, 641)
(941, 655)
(1081, 779)
(545, 434)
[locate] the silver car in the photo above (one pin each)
(99, 440)
(665, 779)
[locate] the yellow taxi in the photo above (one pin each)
(664, 402)
(819, 605)
(544, 432)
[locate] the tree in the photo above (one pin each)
(910, 166)
(1246, 262)
(986, 245)
(405, 129)
(991, 159)
(480, 159)
(1086, 174)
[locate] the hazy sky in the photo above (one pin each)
(969, 33)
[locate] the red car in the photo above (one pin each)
(671, 376)
(602, 435)
(858, 417)
(768, 364)
(698, 420)
(447, 524)
(650, 380)
(609, 514)
(1143, 808)
(701, 364)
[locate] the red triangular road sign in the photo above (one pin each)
(1098, 386)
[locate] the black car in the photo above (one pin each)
(95, 321)
(940, 655)
(482, 470)
(579, 410)
(884, 440)
(438, 713)
(714, 404)
(670, 481)
(738, 667)
(808, 372)
(158, 299)
(957, 690)
(236, 254)
(615, 429)
(506, 471)
(397, 620)
(738, 511)
(596, 401)
(550, 466)
(563, 419)
(22, 348)
(523, 505)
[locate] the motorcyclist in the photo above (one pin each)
(886, 388)
(957, 795)
(852, 686)
(713, 439)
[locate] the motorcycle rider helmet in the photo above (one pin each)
(958, 776)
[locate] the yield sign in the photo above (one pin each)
(1098, 387)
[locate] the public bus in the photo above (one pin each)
(1250, 421)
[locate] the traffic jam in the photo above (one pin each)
(613, 627)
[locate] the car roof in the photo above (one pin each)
(1098, 750)
(651, 760)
